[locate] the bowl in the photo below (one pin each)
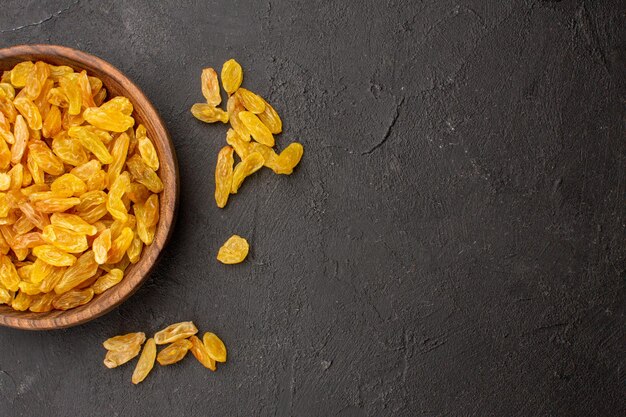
(116, 84)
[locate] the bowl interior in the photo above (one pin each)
(116, 84)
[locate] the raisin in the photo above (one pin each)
(143, 174)
(118, 152)
(232, 76)
(223, 175)
(84, 268)
(112, 120)
(73, 299)
(20, 135)
(145, 362)
(54, 256)
(71, 89)
(233, 251)
(248, 166)
(208, 114)
(201, 353)
(107, 281)
(68, 185)
(271, 119)
(175, 332)
(257, 129)
(64, 239)
(210, 87)
(30, 112)
(74, 223)
(252, 102)
(115, 358)
(101, 246)
(124, 342)
(92, 142)
(215, 347)
(174, 352)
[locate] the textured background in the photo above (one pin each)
(451, 244)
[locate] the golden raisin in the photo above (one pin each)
(175, 332)
(210, 87)
(174, 352)
(215, 347)
(209, 114)
(201, 353)
(233, 251)
(257, 129)
(145, 362)
(248, 166)
(223, 175)
(232, 76)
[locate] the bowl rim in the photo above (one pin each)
(137, 273)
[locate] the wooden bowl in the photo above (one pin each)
(116, 84)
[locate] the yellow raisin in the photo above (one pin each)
(175, 332)
(54, 256)
(240, 146)
(232, 76)
(271, 119)
(234, 250)
(35, 79)
(119, 153)
(120, 104)
(19, 73)
(201, 353)
(115, 358)
(215, 347)
(73, 299)
(288, 158)
(42, 303)
(107, 281)
(74, 223)
(8, 274)
(174, 352)
(114, 203)
(210, 87)
(251, 101)
(68, 185)
(84, 268)
(21, 135)
(145, 362)
(22, 301)
(111, 120)
(85, 89)
(209, 114)
(120, 245)
(257, 129)
(101, 246)
(92, 206)
(223, 175)
(69, 150)
(135, 248)
(64, 239)
(56, 204)
(7, 90)
(45, 158)
(147, 215)
(124, 342)
(52, 123)
(235, 107)
(71, 89)
(143, 174)
(92, 142)
(30, 112)
(248, 166)
(148, 152)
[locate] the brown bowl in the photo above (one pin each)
(116, 84)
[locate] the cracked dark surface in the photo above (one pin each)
(452, 243)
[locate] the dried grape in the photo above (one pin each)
(175, 332)
(174, 352)
(145, 362)
(234, 250)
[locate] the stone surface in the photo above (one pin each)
(452, 243)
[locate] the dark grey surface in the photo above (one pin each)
(452, 243)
